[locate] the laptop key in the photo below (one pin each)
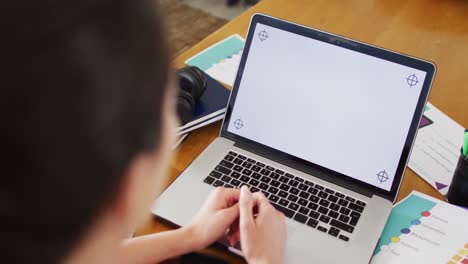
(312, 223)
(323, 210)
(333, 214)
(356, 207)
(363, 204)
(314, 214)
(294, 191)
(247, 172)
(314, 199)
(284, 187)
(302, 202)
(218, 183)
(283, 202)
(238, 168)
(251, 160)
(321, 228)
(253, 182)
(333, 231)
(216, 174)
(351, 199)
(232, 153)
(304, 195)
(344, 218)
(228, 186)
(209, 180)
(344, 238)
(273, 198)
(229, 158)
(244, 178)
(312, 206)
(313, 191)
(334, 207)
(273, 190)
(293, 206)
(254, 189)
(332, 198)
(309, 183)
(274, 175)
(325, 219)
(330, 191)
(320, 187)
(247, 165)
(226, 178)
(339, 195)
(355, 214)
(260, 164)
(354, 221)
(289, 175)
(235, 174)
(292, 198)
(265, 172)
(256, 176)
(226, 164)
(283, 179)
(303, 187)
(287, 212)
(265, 179)
(256, 168)
(300, 218)
(241, 157)
(298, 179)
(235, 182)
(343, 202)
(238, 161)
(270, 168)
(283, 194)
(223, 170)
(304, 210)
(324, 203)
(293, 183)
(345, 211)
(323, 195)
(341, 226)
(263, 186)
(275, 183)
(279, 171)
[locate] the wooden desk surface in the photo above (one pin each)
(429, 29)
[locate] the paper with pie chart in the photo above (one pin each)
(422, 229)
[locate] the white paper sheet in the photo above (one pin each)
(437, 149)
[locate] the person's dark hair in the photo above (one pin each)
(83, 96)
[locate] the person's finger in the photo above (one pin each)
(246, 218)
(261, 202)
(225, 197)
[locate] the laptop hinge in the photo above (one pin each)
(305, 169)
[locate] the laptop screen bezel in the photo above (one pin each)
(343, 42)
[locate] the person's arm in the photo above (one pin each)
(158, 247)
(212, 221)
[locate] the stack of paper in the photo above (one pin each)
(422, 229)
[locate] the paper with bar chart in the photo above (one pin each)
(422, 229)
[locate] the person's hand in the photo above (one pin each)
(263, 238)
(215, 217)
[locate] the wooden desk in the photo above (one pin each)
(429, 29)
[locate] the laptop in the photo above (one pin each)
(324, 126)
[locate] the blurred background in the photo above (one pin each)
(190, 21)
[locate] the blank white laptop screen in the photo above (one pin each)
(343, 110)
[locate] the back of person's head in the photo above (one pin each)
(82, 96)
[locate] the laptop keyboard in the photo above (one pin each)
(311, 204)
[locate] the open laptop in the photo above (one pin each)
(324, 126)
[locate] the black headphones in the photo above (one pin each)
(192, 84)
